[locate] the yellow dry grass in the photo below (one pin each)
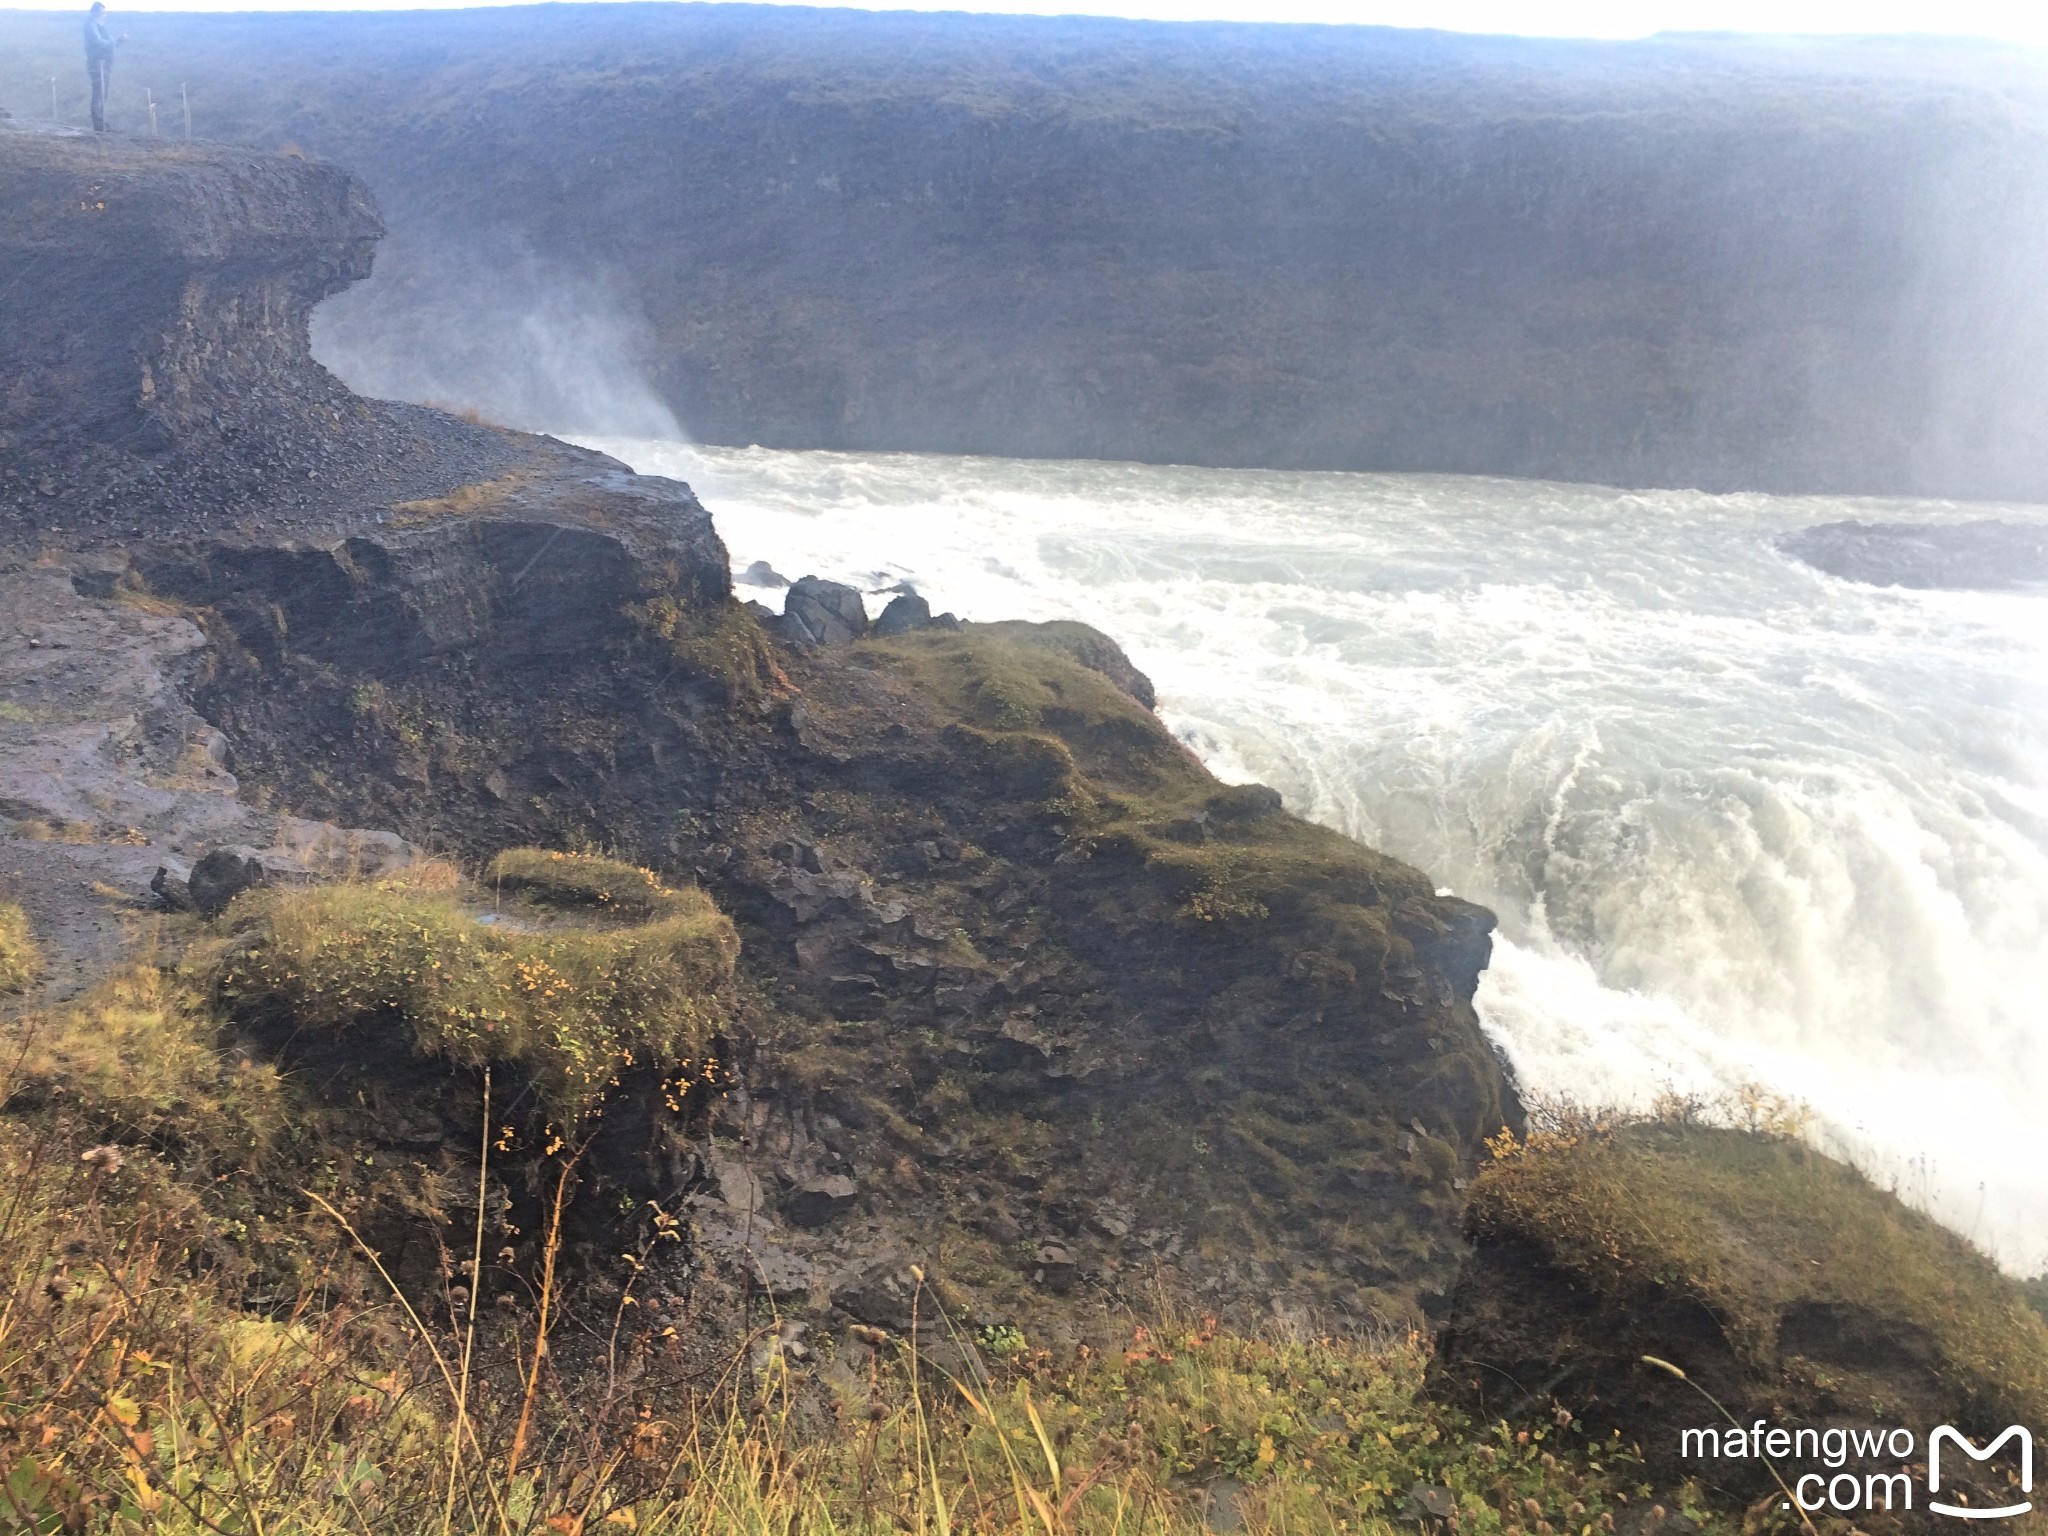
(571, 1004)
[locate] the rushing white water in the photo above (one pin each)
(1742, 822)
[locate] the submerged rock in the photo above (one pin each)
(1987, 556)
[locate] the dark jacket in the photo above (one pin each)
(99, 47)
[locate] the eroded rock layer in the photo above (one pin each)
(154, 366)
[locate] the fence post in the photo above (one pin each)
(186, 102)
(150, 97)
(53, 98)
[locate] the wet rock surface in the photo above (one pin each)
(114, 793)
(1985, 556)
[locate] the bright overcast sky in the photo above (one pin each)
(2017, 20)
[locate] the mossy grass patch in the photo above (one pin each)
(574, 1006)
(1052, 728)
(587, 883)
(1757, 1228)
(141, 1056)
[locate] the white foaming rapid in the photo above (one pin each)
(1742, 822)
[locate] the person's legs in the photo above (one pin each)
(99, 69)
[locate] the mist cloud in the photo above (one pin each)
(490, 327)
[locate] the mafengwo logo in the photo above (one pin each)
(1944, 1435)
(1845, 1489)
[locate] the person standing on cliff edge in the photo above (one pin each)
(99, 60)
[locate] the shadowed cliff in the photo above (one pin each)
(154, 361)
(1791, 265)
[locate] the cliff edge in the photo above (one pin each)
(155, 374)
(1023, 997)
(475, 865)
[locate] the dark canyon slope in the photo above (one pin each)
(1022, 994)
(920, 968)
(1792, 265)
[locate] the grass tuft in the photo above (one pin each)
(574, 1005)
(1755, 1225)
(140, 1056)
(20, 960)
(141, 1389)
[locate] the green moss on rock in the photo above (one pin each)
(1757, 1228)
(1779, 1279)
(573, 1004)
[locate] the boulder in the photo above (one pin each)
(737, 1186)
(883, 1292)
(225, 873)
(820, 612)
(344, 853)
(1053, 1267)
(762, 574)
(905, 613)
(818, 1201)
(171, 889)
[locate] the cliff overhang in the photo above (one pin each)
(155, 368)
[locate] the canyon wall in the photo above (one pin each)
(1790, 265)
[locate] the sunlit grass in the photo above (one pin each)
(20, 959)
(142, 1390)
(573, 1004)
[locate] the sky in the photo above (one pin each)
(2022, 21)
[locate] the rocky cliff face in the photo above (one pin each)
(1788, 265)
(1030, 982)
(1025, 997)
(154, 361)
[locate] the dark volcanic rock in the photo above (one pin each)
(762, 574)
(529, 593)
(154, 360)
(1988, 556)
(989, 977)
(906, 612)
(818, 612)
(1239, 1033)
(220, 877)
(817, 1201)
